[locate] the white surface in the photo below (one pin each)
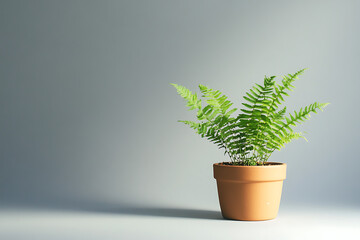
(301, 223)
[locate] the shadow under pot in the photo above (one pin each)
(250, 193)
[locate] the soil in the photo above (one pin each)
(258, 164)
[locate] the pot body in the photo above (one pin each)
(250, 193)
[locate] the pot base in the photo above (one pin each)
(249, 201)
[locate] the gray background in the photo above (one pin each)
(88, 118)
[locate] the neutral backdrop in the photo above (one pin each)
(88, 117)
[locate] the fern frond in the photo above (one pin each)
(218, 101)
(281, 90)
(193, 125)
(214, 116)
(303, 114)
(254, 120)
(192, 100)
(292, 135)
(279, 115)
(283, 129)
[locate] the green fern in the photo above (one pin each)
(259, 129)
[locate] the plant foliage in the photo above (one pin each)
(260, 128)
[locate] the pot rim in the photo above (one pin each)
(265, 173)
(276, 164)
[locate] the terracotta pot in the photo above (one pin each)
(250, 193)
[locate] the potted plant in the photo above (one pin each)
(249, 187)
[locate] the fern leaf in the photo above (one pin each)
(192, 124)
(192, 100)
(280, 90)
(218, 101)
(301, 115)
